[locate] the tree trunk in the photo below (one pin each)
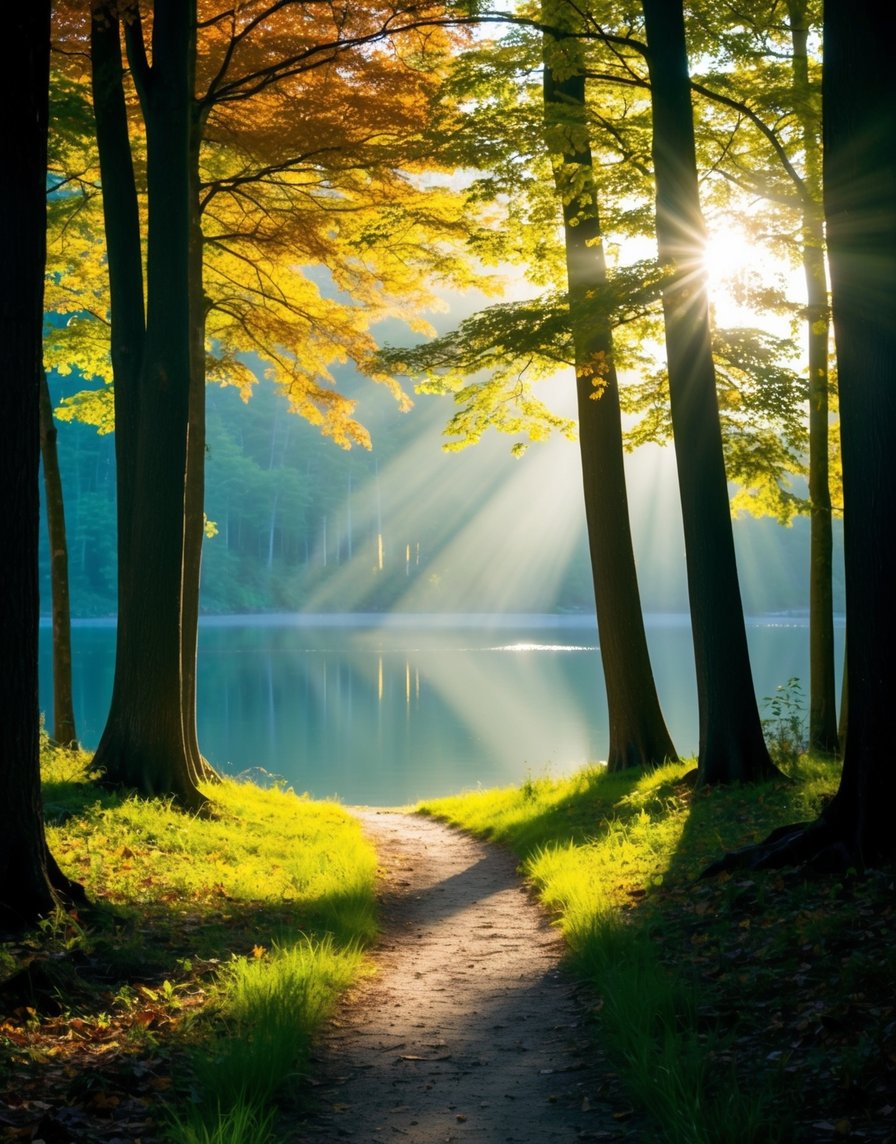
(144, 744)
(731, 743)
(860, 207)
(638, 733)
(194, 503)
(822, 693)
(27, 872)
(856, 829)
(63, 708)
(128, 333)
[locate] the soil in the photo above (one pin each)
(470, 1029)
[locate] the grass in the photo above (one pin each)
(184, 1000)
(742, 1009)
(181, 1005)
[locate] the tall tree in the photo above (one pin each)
(860, 208)
(248, 181)
(638, 733)
(859, 91)
(823, 734)
(732, 747)
(145, 743)
(764, 86)
(63, 731)
(31, 883)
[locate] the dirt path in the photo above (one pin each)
(469, 1031)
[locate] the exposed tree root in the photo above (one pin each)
(69, 893)
(814, 846)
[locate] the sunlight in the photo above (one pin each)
(726, 257)
(502, 537)
(655, 512)
(512, 548)
(735, 264)
(520, 647)
(507, 722)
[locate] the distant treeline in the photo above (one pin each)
(300, 524)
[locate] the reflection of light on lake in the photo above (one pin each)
(389, 709)
(541, 647)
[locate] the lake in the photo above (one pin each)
(385, 710)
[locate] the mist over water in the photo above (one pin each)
(387, 709)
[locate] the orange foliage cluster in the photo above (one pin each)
(323, 206)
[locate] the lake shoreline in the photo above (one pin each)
(435, 620)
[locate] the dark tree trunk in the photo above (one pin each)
(194, 502)
(856, 828)
(731, 743)
(27, 872)
(144, 744)
(128, 331)
(860, 207)
(822, 688)
(638, 733)
(63, 731)
(822, 693)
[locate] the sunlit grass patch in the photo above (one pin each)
(255, 846)
(213, 947)
(616, 859)
(257, 1032)
(240, 1123)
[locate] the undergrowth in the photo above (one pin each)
(185, 997)
(721, 1002)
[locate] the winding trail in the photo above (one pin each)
(469, 1030)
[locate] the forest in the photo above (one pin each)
(228, 224)
(289, 509)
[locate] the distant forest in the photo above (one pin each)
(301, 525)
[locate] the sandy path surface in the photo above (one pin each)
(469, 1031)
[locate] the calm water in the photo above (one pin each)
(386, 711)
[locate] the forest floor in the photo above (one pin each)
(470, 1029)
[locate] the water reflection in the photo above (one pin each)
(385, 711)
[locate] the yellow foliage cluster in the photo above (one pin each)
(322, 208)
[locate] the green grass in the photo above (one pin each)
(705, 987)
(213, 948)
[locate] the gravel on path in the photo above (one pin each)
(469, 1030)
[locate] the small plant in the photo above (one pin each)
(241, 1123)
(785, 724)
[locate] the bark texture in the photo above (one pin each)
(27, 872)
(731, 742)
(638, 732)
(63, 731)
(147, 743)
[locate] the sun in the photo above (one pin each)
(732, 260)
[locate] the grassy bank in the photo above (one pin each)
(748, 1008)
(184, 999)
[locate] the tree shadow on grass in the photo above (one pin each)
(101, 1010)
(786, 967)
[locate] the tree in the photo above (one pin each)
(765, 77)
(638, 733)
(147, 741)
(860, 209)
(32, 884)
(823, 734)
(731, 742)
(250, 181)
(859, 91)
(63, 707)
(534, 152)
